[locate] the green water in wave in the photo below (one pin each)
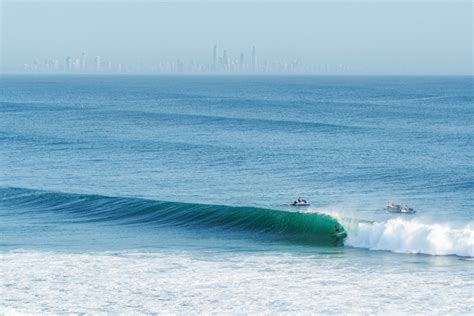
(220, 220)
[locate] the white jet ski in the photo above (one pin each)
(402, 209)
(300, 202)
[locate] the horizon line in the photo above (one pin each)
(239, 74)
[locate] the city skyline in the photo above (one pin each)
(220, 62)
(361, 37)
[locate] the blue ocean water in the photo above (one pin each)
(145, 194)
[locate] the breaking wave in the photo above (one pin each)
(413, 236)
(304, 228)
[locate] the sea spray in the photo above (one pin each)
(413, 236)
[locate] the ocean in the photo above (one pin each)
(169, 194)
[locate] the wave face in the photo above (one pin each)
(413, 236)
(305, 228)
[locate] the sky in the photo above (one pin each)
(370, 37)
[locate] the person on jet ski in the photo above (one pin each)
(300, 201)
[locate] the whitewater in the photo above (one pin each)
(143, 194)
(413, 236)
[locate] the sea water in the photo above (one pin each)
(142, 194)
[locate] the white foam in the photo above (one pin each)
(264, 283)
(413, 236)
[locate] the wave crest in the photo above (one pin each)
(413, 236)
(255, 223)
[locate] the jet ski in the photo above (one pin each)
(300, 202)
(401, 209)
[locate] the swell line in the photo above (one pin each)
(305, 228)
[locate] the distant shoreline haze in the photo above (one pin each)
(228, 37)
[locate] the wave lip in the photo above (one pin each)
(413, 236)
(251, 222)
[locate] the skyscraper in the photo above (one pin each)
(214, 57)
(241, 62)
(83, 62)
(68, 64)
(254, 60)
(76, 64)
(225, 60)
(97, 64)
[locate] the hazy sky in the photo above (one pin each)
(391, 37)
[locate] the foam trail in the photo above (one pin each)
(413, 236)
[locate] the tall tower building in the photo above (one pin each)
(254, 60)
(225, 60)
(68, 63)
(241, 62)
(108, 66)
(56, 65)
(97, 64)
(215, 57)
(83, 62)
(76, 64)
